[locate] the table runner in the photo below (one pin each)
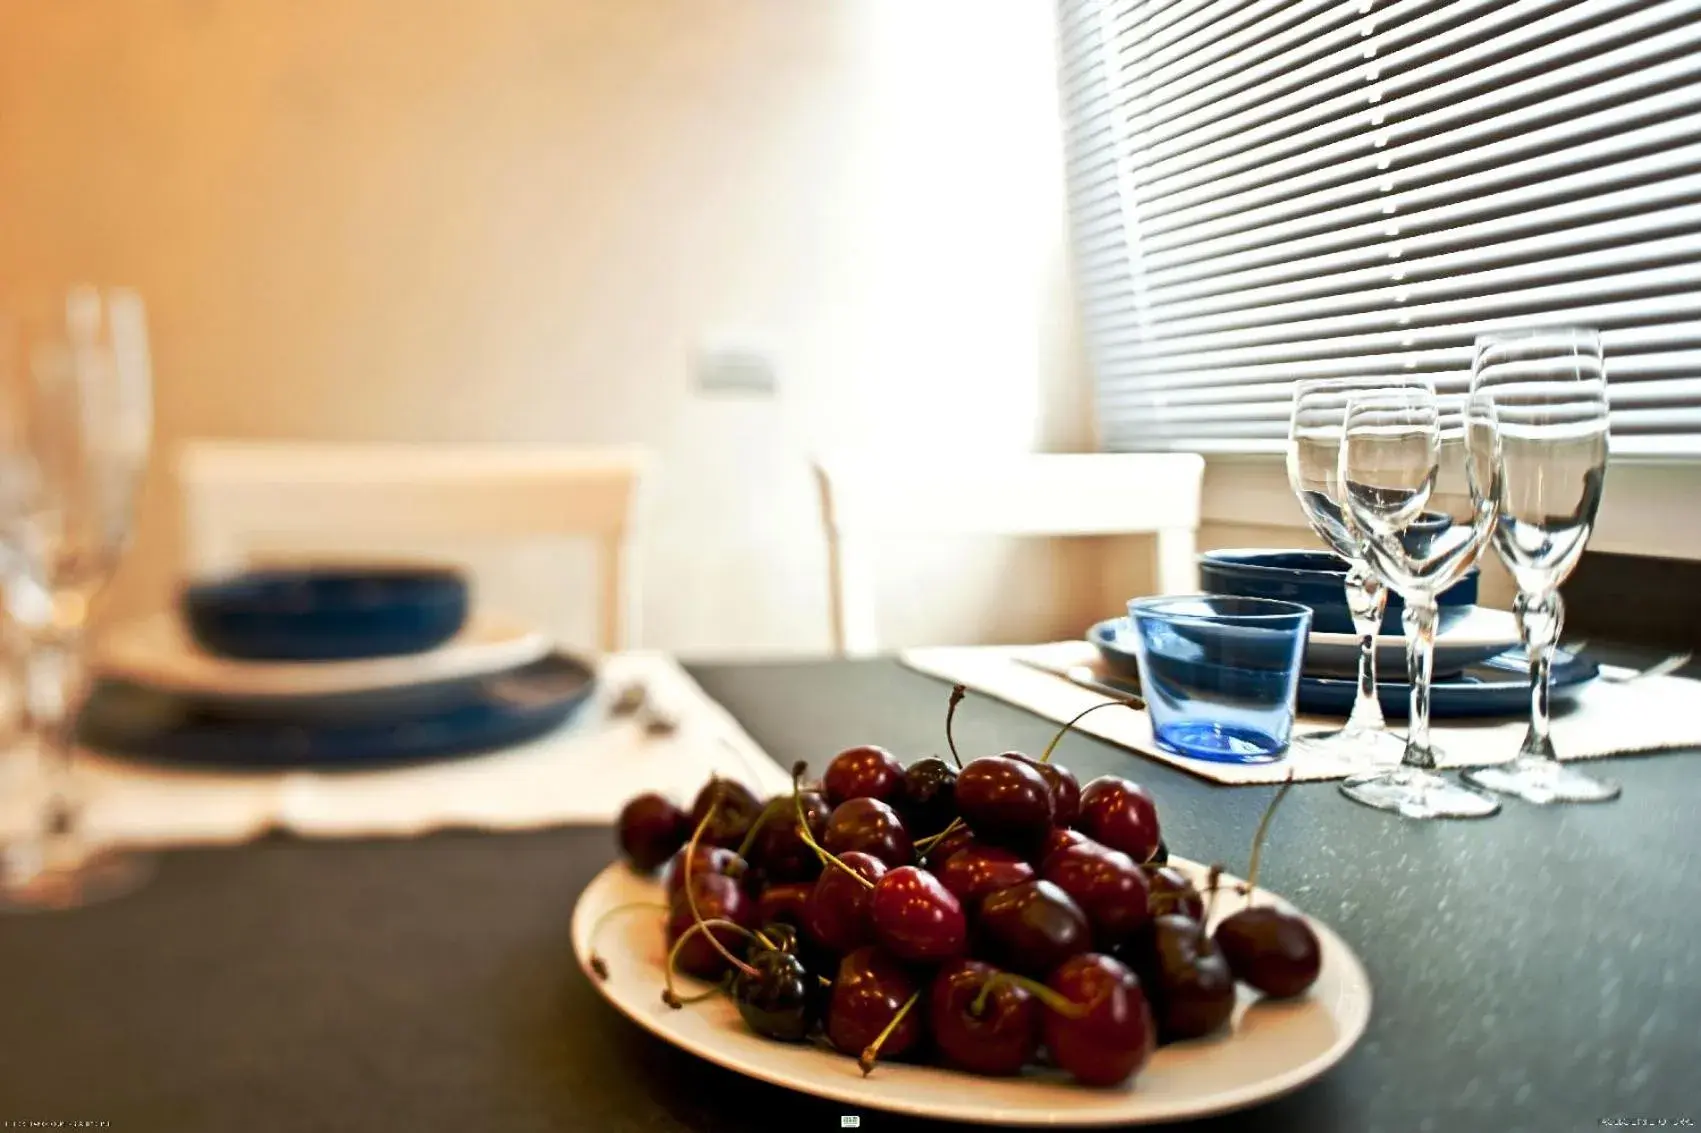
(581, 773)
(1607, 718)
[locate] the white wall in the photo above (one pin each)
(516, 219)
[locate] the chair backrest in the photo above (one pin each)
(242, 496)
(864, 497)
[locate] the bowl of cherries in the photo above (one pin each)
(890, 933)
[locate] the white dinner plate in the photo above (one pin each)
(1479, 635)
(158, 651)
(1270, 1048)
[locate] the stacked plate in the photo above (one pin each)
(1480, 671)
(331, 668)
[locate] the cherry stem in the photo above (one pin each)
(922, 845)
(1263, 829)
(671, 998)
(599, 968)
(871, 1052)
(691, 890)
(808, 835)
(768, 811)
(1213, 879)
(957, 694)
(1067, 1008)
(1063, 731)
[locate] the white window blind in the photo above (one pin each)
(1265, 190)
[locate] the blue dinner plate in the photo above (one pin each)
(354, 730)
(1498, 686)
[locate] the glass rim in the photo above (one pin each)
(1558, 332)
(1275, 610)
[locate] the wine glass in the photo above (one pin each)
(1406, 476)
(1314, 472)
(75, 426)
(1547, 390)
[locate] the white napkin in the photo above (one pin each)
(582, 773)
(1653, 714)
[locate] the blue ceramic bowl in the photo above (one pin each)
(332, 614)
(1316, 579)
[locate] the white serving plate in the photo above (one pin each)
(157, 651)
(1479, 635)
(1269, 1049)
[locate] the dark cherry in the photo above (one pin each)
(651, 830)
(1121, 815)
(1005, 802)
(928, 800)
(706, 859)
(1031, 928)
(1161, 856)
(958, 838)
(1000, 1039)
(1187, 979)
(779, 851)
(781, 999)
(871, 827)
(718, 898)
(868, 992)
(1173, 893)
(863, 773)
(1061, 838)
(1065, 788)
(780, 937)
(1110, 888)
(977, 870)
(737, 810)
(784, 903)
(837, 916)
(1269, 950)
(1115, 1036)
(917, 919)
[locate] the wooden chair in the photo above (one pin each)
(246, 497)
(863, 498)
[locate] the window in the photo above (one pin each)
(1262, 190)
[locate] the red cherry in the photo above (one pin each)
(1005, 802)
(1000, 1039)
(717, 897)
(706, 859)
(651, 830)
(941, 851)
(1061, 838)
(735, 809)
(784, 904)
(1171, 892)
(1108, 886)
(1115, 1036)
(1065, 788)
(778, 850)
(1031, 928)
(868, 826)
(863, 773)
(1121, 815)
(1271, 951)
(870, 990)
(837, 916)
(976, 870)
(917, 919)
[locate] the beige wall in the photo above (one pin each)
(516, 219)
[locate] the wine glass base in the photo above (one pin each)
(1354, 747)
(1416, 793)
(1542, 781)
(101, 876)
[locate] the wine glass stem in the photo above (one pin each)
(1540, 617)
(54, 678)
(1419, 621)
(1367, 598)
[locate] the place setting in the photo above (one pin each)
(1294, 661)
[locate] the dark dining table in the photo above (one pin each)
(1537, 971)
